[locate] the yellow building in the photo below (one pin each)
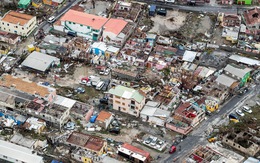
(126, 100)
(17, 23)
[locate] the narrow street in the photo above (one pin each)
(197, 137)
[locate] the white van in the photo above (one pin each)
(169, 1)
(100, 85)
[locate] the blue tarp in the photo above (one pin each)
(153, 8)
(55, 161)
(93, 119)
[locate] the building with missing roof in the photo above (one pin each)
(87, 142)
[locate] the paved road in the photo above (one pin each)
(198, 8)
(46, 26)
(197, 136)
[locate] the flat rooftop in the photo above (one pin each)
(23, 85)
(17, 18)
(19, 153)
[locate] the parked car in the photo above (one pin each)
(107, 71)
(114, 130)
(106, 84)
(258, 103)
(148, 140)
(240, 113)
(100, 85)
(80, 90)
(89, 84)
(247, 109)
(169, 1)
(208, 113)
(46, 83)
(162, 11)
(104, 100)
(172, 149)
(233, 116)
(110, 140)
(154, 141)
(84, 80)
(159, 144)
(70, 126)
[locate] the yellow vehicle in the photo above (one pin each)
(211, 140)
(234, 120)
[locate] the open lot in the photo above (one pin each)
(185, 25)
(172, 22)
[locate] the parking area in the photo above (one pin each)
(154, 142)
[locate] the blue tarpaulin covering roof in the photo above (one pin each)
(93, 119)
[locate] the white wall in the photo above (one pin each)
(111, 35)
(24, 30)
(129, 57)
(81, 30)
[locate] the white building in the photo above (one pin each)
(104, 119)
(81, 24)
(153, 114)
(116, 32)
(17, 23)
(15, 153)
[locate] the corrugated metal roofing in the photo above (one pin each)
(39, 61)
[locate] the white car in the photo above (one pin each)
(107, 71)
(91, 77)
(89, 84)
(240, 113)
(154, 141)
(247, 109)
(84, 82)
(51, 19)
(169, 1)
(258, 103)
(102, 72)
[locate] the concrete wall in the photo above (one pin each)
(82, 30)
(124, 105)
(252, 150)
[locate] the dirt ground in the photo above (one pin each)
(127, 135)
(172, 22)
(196, 26)
(99, 7)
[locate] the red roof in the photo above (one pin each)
(96, 22)
(252, 16)
(136, 150)
(182, 108)
(115, 25)
(103, 115)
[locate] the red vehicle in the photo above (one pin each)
(85, 78)
(172, 149)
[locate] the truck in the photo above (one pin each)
(100, 85)
(152, 10)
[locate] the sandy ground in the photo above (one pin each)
(127, 135)
(99, 7)
(173, 21)
(68, 80)
(205, 24)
